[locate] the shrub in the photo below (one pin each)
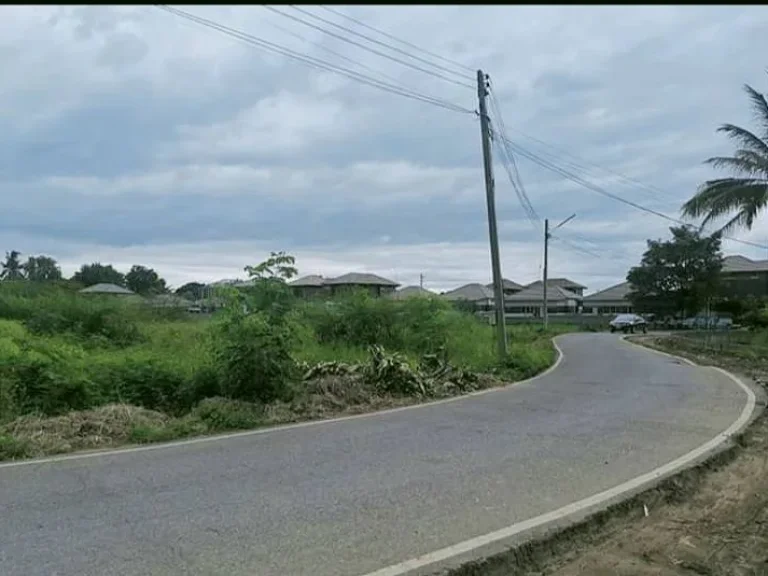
(253, 357)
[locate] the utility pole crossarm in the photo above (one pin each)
(498, 288)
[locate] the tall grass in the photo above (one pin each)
(61, 351)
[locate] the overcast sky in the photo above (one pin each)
(132, 136)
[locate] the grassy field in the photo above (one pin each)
(78, 372)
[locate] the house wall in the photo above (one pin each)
(608, 307)
(376, 291)
(745, 284)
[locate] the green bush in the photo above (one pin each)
(253, 357)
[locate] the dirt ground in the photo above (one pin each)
(710, 520)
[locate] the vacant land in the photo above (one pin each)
(711, 520)
(83, 372)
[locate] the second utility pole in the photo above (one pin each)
(545, 312)
(498, 289)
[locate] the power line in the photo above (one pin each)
(368, 48)
(589, 185)
(654, 190)
(379, 43)
(396, 39)
(321, 46)
(315, 62)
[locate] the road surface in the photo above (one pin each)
(351, 497)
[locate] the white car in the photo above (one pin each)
(627, 323)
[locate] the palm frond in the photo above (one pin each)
(759, 105)
(745, 138)
(740, 164)
(716, 198)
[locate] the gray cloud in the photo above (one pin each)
(128, 134)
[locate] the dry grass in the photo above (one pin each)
(103, 427)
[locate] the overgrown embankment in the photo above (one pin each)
(81, 372)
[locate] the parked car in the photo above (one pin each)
(627, 323)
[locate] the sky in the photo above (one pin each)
(129, 135)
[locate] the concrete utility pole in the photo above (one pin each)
(547, 236)
(498, 288)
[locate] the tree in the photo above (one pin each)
(96, 273)
(744, 195)
(191, 291)
(12, 267)
(270, 292)
(42, 269)
(145, 281)
(677, 276)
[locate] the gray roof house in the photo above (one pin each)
(106, 288)
(743, 277)
(508, 286)
(316, 284)
(411, 292)
(532, 297)
(612, 300)
(569, 285)
(476, 294)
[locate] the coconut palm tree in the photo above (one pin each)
(12, 267)
(745, 194)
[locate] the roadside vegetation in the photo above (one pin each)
(82, 371)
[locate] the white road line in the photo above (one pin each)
(280, 428)
(631, 485)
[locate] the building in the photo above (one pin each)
(612, 300)
(480, 297)
(310, 286)
(315, 285)
(411, 292)
(508, 286)
(569, 285)
(744, 278)
(530, 300)
(107, 289)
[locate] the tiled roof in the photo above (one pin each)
(612, 294)
(558, 282)
(535, 293)
(471, 292)
(105, 288)
(740, 263)
(360, 280)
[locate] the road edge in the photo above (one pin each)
(282, 427)
(463, 557)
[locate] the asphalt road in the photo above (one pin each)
(346, 498)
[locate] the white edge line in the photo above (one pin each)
(581, 505)
(280, 428)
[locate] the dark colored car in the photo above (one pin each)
(628, 323)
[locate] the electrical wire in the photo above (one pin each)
(321, 46)
(396, 39)
(595, 188)
(383, 44)
(275, 48)
(368, 48)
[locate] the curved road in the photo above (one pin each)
(350, 497)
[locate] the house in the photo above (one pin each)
(612, 300)
(530, 300)
(108, 289)
(411, 292)
(569, 285)
(744, 278)
(508, 286)
(310, 286)
(476, 294)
